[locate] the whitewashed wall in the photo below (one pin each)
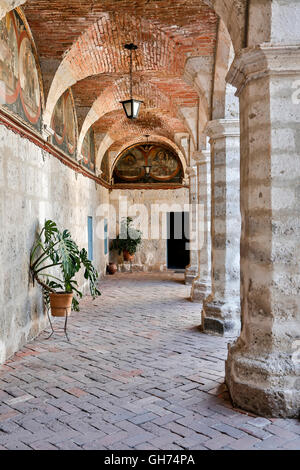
(35, 186)
(152, 253)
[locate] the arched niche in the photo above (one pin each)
(162, 162)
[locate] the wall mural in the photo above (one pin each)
(88, 150)
(165, 165)
(105, 167)
(64, 124)
(20, 90)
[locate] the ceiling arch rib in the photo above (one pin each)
(188, 35)
(101, 50)
(110, 99)
(121, 129)
(224, 102)
(158, 122)
(232, 12)
(120, 145)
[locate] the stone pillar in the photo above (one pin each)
(192, 269)
(201, 287)
(262, 369)
(221, 310)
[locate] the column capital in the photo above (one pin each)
(220, 128)
(191, 171)
(201, 157)
(261, 61)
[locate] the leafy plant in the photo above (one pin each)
(129, 237)
(54, 248)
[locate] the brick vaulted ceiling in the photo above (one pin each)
(90, 35)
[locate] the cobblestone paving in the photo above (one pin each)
(137, 374)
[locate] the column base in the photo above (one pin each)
(221, 318)
(190, 274)
(200, 290)
(266, 384)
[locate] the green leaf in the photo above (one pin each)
(131, 241)
(62, 250)
(90, 273)
(50, 230)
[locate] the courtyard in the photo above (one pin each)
(136, 374)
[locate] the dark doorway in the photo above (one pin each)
(178, 257)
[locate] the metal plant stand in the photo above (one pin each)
(65, 326)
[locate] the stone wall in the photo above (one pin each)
(152, 253)
(35, 186)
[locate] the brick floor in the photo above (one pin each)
(137, 374)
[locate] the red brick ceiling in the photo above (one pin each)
(118, 126)
(90, 36)
(56, 24)
(119, 145)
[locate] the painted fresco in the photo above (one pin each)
(88, 150)
(165, 165)
(70, 121)
(19, 79)
(105, 167)
(64, 124)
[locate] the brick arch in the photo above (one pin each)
(121, 145)
(159, 124)
(100, 50)
(110, 99)
(233, 13)
(222, 91)
(155, 120)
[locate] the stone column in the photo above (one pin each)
(221, 310)
(201, 287)
(263, 370)
(192, 269)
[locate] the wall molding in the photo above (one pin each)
(17, 126)
(148, 186)
(13, 123)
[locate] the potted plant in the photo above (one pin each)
(128, 240)
(56, 249)
(112, 268)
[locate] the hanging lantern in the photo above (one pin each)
(131, 106)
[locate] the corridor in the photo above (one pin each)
(137, 374)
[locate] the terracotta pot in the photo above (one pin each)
(61, 304)
(112, 268)
(127, 256)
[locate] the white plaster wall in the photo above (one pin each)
(35, 186)
(285, 22)
(152, 253)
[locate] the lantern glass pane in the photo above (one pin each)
(128, 108)
(136, 107)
